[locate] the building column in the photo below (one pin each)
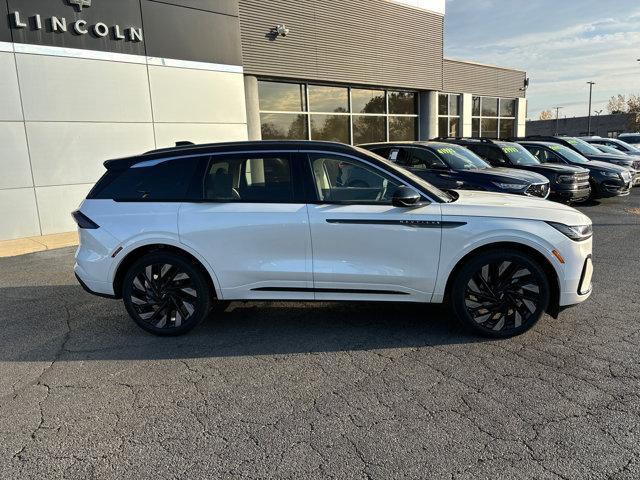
(253, 107)
(428, 115)
(521, 117)
(466, 112)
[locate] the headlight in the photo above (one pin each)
(565, 179)
(577, 232)
(510, 186)
(610, 174)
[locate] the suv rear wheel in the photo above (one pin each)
(500, 293)
(166, 294)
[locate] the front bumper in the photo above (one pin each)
(576, 286)
(571, 194)
(614, 188)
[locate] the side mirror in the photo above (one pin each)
(405, 197)
(438, 166)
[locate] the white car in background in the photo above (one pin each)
(178, 232)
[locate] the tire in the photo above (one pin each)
(500, 294)
(166, 294)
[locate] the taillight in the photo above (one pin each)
(83, 221)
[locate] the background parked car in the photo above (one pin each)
(449, 166)
(587, 150)
(616, 143)
(568, 183)
(630, 138)
(606, 180)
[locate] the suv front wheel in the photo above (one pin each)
(166, 294)
(500, 293)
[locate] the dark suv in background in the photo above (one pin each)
(589, 151)
(606, 180)
(452, 167)
(619, 145)
(568, 183)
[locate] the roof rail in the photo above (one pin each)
(475, 139)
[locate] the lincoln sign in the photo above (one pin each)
(59, 24)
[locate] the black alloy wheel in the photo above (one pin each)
(166, 294)
(501, 294)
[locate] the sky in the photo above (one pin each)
(562, 44)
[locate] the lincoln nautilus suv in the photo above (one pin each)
(177, 233)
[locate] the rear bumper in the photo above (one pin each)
(93, 292)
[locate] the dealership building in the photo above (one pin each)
(82, 81)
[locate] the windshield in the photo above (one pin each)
(630, 138)
(628, 146)
(607, 149)
(518, 155)
(434, 191)
(460, 158)
(583, 147)
(570, 155)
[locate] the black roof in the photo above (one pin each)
(184, 149)
(415, 143)
(537, 142)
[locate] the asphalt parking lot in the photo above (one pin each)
(320, 390)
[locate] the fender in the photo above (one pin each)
(158, 238)
(484, 239)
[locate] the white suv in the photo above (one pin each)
(179, 232)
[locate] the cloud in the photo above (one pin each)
(561, 57)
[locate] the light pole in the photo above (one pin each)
(591, 84)
(557, 118)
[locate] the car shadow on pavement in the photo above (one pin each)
(47, 323)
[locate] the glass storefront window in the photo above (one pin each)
(402, 128)
(449, 113)
(332, 128)
(454, 105)
(489, 127)
(368, 101)
(283, 126)
(475, 128)
(281, 97)
(403, 103)
(489, 107)
(493, 117)
(335, 113)
(443, 104)
(368, 129)
(475, 109)
(507, 107)
(507, 126)
(328, 99)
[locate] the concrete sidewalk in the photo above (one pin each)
(22, 246)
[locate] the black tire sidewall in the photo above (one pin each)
(200, 284)
(473, 265)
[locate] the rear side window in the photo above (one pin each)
(154, 180)
(258, 179)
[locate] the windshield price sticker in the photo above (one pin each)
(510, 150)
(445, 151)
(573, 142)
(556, 147)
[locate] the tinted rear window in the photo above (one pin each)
(155, 180)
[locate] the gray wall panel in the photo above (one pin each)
(227, 7)
(464, 77)
(190, 34)
(344, 41)
(125, 13)
(5, 30)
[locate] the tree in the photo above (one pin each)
(617, 104)
(546, 115)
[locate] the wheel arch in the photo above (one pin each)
(552, 275)
(138, 252)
